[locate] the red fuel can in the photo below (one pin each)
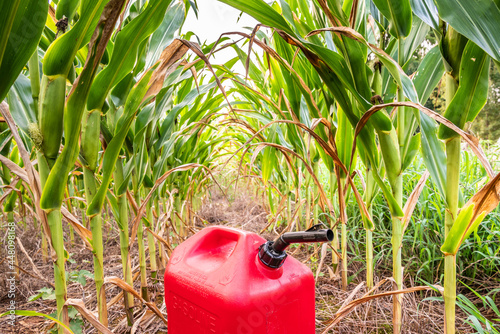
(228, 281)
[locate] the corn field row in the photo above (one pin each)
(108, 107)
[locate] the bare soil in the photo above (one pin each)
(244, 212)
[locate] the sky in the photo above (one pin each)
(215, 18)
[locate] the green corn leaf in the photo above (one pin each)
(381, 21)
(61, 54)
(166, 152)
(8, 15)
(262, 12)
(253, 70)
(164, 34)
(22, 26)
(167, 126)
(344, 139)
(479, 21)
(269, 162)
(426, 10)
(472, 214)
(10, 203)
(392, 66)
(380, 121)
(147, 182)
(458, 231)
(433, 152)
(125, 51)
(411, 151)
(429, 73)
(355, 54)
(452, 47)
(328, 161)
(27, 313)
(271, 200)
(394, 207)
(145, 118)
(399, 14)
(418, 34)
(21, 103)
(115, 145)
(472, 91)
(90, 142)
(67, 8)
(367, 224)
(127, 174)
(120, 92)
(5, 141)
(113, 203)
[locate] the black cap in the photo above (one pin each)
(270, 257)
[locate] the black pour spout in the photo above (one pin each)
(273, 254)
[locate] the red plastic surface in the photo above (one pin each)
(215, 283)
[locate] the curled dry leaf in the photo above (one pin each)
(412, 200)
(352, 294)
(470, 139)
(163, 241)
(333, 20)
(132, 201)
(486, 199)
(471, 215)
(252, 38)
(168, 59)
(144, 318)
(10, 188)
(81, 230)
(124, 286)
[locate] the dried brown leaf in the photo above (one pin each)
(168, 62)
(163, 241)
(124, 286)
(469, 138)
(81, 230)
(412, 200)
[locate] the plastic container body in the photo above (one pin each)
(215, 283)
